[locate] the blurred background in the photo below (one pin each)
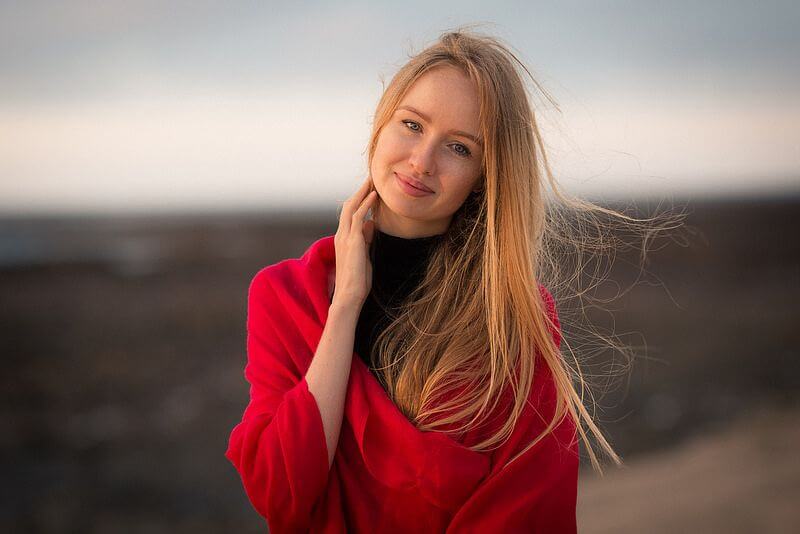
(154, 156)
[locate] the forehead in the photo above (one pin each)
(448, 97)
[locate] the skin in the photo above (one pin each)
(329, 372)
(425, 149)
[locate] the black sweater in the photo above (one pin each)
(398, 266)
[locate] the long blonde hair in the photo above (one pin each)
(477, 319)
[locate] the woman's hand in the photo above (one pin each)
(352, 240)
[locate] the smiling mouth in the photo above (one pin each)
(414, 183)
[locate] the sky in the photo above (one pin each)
(114, 106)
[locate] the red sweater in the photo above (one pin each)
(387, 475)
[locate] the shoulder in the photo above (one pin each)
(549, 300)
(552, 313)
(289, 272)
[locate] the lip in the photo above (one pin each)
(407, 184)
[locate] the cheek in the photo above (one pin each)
(392, 146)
(462, 174)
(384, 159)
(462, 179)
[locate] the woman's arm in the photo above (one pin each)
(279, 447)
(329, 371)
(284, 446)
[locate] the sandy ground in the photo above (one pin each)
(742, 478)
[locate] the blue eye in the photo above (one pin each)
(465, 153)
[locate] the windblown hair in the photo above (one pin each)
(477, 319)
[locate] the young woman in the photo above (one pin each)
(406, 373)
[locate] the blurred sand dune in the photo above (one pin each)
(744, 478)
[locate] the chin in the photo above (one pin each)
(400, 210)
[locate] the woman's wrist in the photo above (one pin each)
(345, 309)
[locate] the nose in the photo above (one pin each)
(423, 158)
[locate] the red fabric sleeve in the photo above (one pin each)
(537, 492)
(279, 448)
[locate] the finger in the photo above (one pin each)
(361, 212)
(352, 203)
(362, 190)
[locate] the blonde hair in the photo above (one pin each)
(477, 319)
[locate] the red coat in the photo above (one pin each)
(387, 476)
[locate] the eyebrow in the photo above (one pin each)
(474, 138)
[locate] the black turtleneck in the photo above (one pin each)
(398, 266)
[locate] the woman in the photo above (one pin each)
(406, 373)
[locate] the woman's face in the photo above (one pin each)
(431, 140)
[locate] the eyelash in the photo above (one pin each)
(467, 152)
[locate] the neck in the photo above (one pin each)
(390, 223)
